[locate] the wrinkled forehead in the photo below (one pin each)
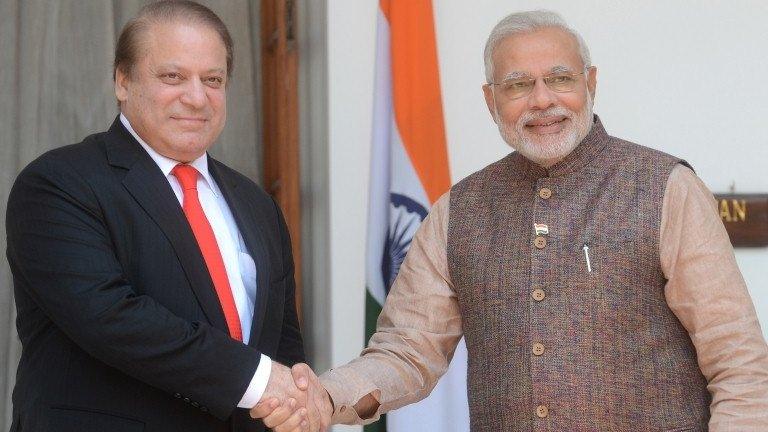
(539, 52)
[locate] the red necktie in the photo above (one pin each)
(187, 176)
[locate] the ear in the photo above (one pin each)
(490, 102)
(121, 85)
(592, 80)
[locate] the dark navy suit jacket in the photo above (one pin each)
(120, 325)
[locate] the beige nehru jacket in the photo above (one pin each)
(420, 325)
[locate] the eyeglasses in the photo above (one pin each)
(520, 87)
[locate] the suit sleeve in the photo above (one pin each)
(62, 256)
(290, 350)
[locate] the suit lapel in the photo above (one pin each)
(146, 183)
(250, 223)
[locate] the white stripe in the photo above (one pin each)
(392, 171)
(378, 204)
(404, 180)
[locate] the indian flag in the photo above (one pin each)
(409, 172)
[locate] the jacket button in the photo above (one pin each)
(538, 349)
(540, 242)
(204, 408)
(545, 193)
(177, 395)
(538, 294)
(542, 411)
(187, 400)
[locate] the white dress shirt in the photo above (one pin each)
(241, 269)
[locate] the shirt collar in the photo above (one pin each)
(167, 164)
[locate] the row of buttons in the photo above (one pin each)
(541, 411)
(538, 295)
(191, 402)
(540, 241)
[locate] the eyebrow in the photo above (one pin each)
(515, 75)
(560, 69)
(519, 74)
(174, 66)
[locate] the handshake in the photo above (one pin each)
(294, 400)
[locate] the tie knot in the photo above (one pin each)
(187, 176)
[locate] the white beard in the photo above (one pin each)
(547, 150)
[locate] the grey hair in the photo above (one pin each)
(526, 22)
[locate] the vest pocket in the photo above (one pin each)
(602, 257)
(612, 291)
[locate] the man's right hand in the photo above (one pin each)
(284, 415)
(283, 406)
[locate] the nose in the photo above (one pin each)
(541, 96)
(194, 95)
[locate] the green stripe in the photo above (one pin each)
(379, 426)
(372, 311)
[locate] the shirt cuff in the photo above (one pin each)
(340, 385)
(258, 384)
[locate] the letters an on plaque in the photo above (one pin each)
(745, 217)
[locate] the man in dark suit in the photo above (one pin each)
(154, 285)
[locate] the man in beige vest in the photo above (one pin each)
(592, 277)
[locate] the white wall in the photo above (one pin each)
(685, 77)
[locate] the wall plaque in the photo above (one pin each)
(745, 217)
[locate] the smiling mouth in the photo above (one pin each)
(545, 123)
(547, 126)
(190, 119)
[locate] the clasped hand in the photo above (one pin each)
(294, 401)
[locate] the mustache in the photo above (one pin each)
(537, 115)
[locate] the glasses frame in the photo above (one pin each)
(543, 78)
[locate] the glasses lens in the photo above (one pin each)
(514, 89)
(560, 82)
(517, 88)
